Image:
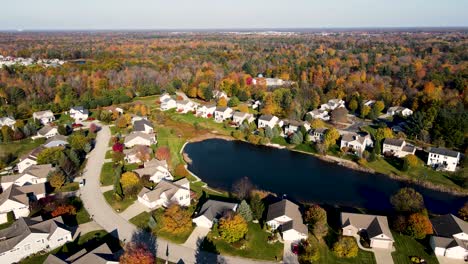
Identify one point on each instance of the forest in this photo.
(426, 72)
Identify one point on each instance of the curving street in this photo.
(115, 224)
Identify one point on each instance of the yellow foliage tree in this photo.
(129, 179)
(176, 220)
(232, 228)
(222, 102)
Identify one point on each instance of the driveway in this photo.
(445, 260)
(133, 210)
(383, 256)
(288, 256)
(197, 236)
(116, 225)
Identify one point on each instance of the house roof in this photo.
(297, 225)
(267, 118)
(354, 137)
(100, 255)
(212, 209)
(138, 134)
(408, 148)
(139, 125)
(167, 187)
(33, 153)
(39, 171)
(44, 113)
(20, 193)
(5, 120)
(448, 225)
(321, 130)
(318, 112)
(21, 228)
(80, 109)
(151, 168)
(45, 129)
(291, 210)
(56, 138)
(241, 114)
(221, 108)
(445, 152)
(374, 224)
(394, 142)
(134, 150)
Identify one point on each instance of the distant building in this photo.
(45, 117)
(443, 159)
(223, 113)
(79, 113)
(239, 117)
(46, 132)
(332, 104)
(292, 126)
(356, 142)
(399, 110)
(206, 111)
(29, 159)
(397, 147)
(167, 102)
(7, 121)
(319, 114)
(269, 121)
(185, 106)
(317, 135)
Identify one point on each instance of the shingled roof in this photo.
(448, 225)
(101, 254)
(374, 224)
(445, 152)
(212, 209)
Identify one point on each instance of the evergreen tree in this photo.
(245, 211)
(257, 207)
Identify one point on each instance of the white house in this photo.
(16, 199)
(143, 126)
(356, 142)
(450, 238)
(32, 175)
(47, 132)
(166, 193)
(102, 255)
(7, 121)
(45, 117)
(269, 120)
(206, 111)
(163, 97)
(29, 159)
(292, 126)
(211, 211)
(332, 104)
(443, 159)
(114, 109)
(397, 147)
(317, 135)
(56, 141)
(369, 103)
(167, 102)
(28, 236)
(239, 117)
(217, 94)
(285, 216)
(79, 113)
(223, 113)
(319, 114)
(185, 106)
(375, 226)
(274, 81)
(157, 170)
(403, 111)
(139, 138)
(133, 155)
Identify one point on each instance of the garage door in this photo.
(381, 244)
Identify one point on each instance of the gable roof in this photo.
(374, 224)
(354, 137)
(448, 225)
(80, 109)
(212, 209)
(167, 187)
(151, 167)
(394, 142)
(20, 193)
(139, 125)
(101, 254)
(139, 134)
(221, 108)
(45, 129)
(291, 210)
(267, 118)
(56, 138)
(39, 171)
(44, 113)
(241, 114)
(445, 152)
(33, 153)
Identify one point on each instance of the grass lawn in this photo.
(109, 154)
(407, 247)
(168, 137)
(204, 123)
(130, 167)
(306, 148)
(256, 245)
(327, 256)
(141, 220)
(107, 174)
(69, 187)
(118, 205)
(18, 148)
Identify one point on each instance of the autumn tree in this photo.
(118, 147)
(163, 153)
(317, 123)
(316, 216)
(330, 137)
(222, 102)
(339, 115)
(346, 247)
(418, 226)
(77, 141)
(176, 220)
(143, 153)
(130, 182)
(50, 155)
(232, 227)
(181, 171)
(56, 179)
(407, 200)
(65, 209)
(242, 188)
(463, 212)
(137, 253)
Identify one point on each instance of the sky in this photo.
(225, 14)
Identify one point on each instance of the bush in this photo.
(346, 247)
(232, 228)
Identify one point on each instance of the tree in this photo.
(163, 153)
(412, 160)
(245, 211)
(50, 155)
(297, 138)
(64, 209)
(121, 122)
(137, 253)
(77, 141)
(130, 182)
(233, 102)
(399, 224)
(339, 115)
(93, 128)
(176, 220)
(257, 206)
(330, 137)
(407, 200)
(242, 188)
(7, 133)
(62, 130)
(418, 226)
(118, 147)
(309, 253)
(143, 152)
(57, 179)
(243, 108)
(222, 102)
(365, 110)
(316, 123)
(232, 227)
(346, 247)
(353, 105)
(316, 216)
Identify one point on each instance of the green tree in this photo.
(257, 206)
(407, 200)
(365, 110)
(353, 105)
(233, 102)
(57, 179)
(232, 228)
(245, 211)
(50, 156)
(77, 141)
(330, 137)
(346, 247)
(297, 138)
(7, 134)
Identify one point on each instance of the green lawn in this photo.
(167, 138)
(109, 154)
(107, 174)
(68, 187)
(118, 205)
(141, 220)
(407, 247)
(204, 123)
(256, 245)
(18, 148)
(327, 256)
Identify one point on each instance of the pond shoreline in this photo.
(332, 159)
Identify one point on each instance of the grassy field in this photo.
(327, 256)
(407, 247)
(118, 205)
(68, 187)
(18, 148)
(107, 174)
(168, 138)
(256, 245)
(141, 220)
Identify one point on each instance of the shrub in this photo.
(346, 247)
(232, 228)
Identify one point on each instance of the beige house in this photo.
(16, 199)
(374, 226)
(32, 175)
(45, 117)
(206, 111)
(157, 170)
(29, 159)
(397, 147)
(211, 211)
(285, 216)
(139, 138)
(166, 193)
(223, 113)
(46, 132)
(239, 117)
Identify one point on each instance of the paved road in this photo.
(115, 224)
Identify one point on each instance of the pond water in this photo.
(303, 177)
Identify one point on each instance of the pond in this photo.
(303, 177)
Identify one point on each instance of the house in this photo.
(7, 121)
(217, 94)
(332, 104)
(211, 211)
(167, 102)
(32, 175)
(319, 114)
(133, 155)
(239, 117)
(102, 255)
(143, 126)
(114, 109)
(269, 120)
(254, 104)
(139, 138)
(45, 117)
(286, 217)
(317, 135)
(222, 113)
(450, 237)
(28, 236)
(292, 126)
(163, 97)
(166, 193)
(47, 132)
(29, 159)
(374, 226)
(157, 170)
(79, 113)
(369, 103)
(356, 142)
(56, 141)
(136, 118)
(443, 159)
(399, 110)
(274, 81)
(16, 199)
(206, 111)
(397, 147)
(185, 106)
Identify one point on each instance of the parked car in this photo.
(82, 182)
